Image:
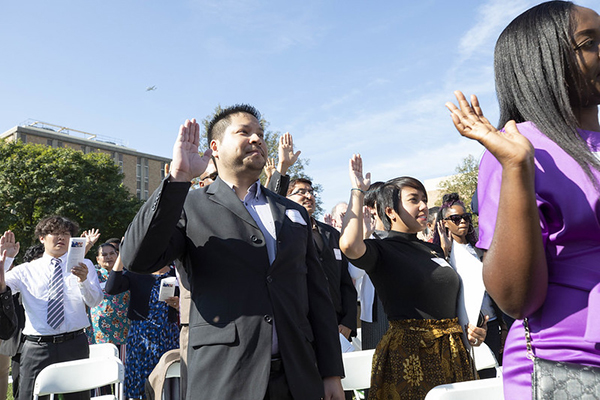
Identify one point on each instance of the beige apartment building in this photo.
(143, 172)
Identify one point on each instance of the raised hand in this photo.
(509, 147)
(368, 222)
(91, 237)
(445, 238)
(356, 174)
(9, 244)
(328, 219)
(269, 167)
(287, 157)
(187, 162)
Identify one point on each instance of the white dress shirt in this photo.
(32, 280)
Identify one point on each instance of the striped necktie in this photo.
(56, 311)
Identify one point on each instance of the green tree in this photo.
(272, 139)
(464, 182)
(37, 181)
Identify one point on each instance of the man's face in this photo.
(56, 244)
(303, 194)
(242, 147)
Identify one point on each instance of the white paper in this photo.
(76, 252)
(338, 254)
(295, 216)
(167, 288)
(470, 296)
(346, 345)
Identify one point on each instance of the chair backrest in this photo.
(174, 370)
(357, 366)
(103, 350)
(78, 375)
(488, 389)
(484, 358)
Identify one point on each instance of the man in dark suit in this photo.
(262, 324)
(334, 263)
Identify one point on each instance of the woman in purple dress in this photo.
(539, 187)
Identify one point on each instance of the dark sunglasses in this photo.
(456, 218)
(212, 177)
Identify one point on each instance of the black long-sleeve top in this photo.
(140, 288)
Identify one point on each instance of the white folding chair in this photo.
(357, 366)
(80, 375)
(488, 389)
(174, 370)
(103, 350)
(106, 350)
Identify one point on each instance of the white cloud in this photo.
(492, 17)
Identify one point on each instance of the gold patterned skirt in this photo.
(416, 355)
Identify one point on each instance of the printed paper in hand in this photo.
(76, 252)
(167, 288)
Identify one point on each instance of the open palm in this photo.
(508, 146)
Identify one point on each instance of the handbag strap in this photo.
(530, 354)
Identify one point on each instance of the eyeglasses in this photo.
(456, 218)
(303, 192)
(112, 253)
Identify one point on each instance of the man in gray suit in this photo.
(261, 322)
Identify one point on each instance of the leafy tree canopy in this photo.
(37, 181)
(272, 139)
(464, 182)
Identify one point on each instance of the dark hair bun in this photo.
(450, 198)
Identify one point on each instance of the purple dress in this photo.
(565, 328)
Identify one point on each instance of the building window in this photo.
(83, 148)
(162, 170)
(23, 138)
(59, 144)
(49, 142)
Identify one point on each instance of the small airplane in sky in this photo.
(150, 88)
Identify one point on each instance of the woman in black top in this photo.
(423, 347)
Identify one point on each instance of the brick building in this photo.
(143, 172)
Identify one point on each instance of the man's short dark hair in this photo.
(222, 119)
(293, 183)
(56, 224)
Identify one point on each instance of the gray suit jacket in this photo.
(237, 294)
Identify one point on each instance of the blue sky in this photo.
(342, 77)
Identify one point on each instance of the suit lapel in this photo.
(325, 235)
(222, 194)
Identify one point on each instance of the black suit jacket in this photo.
(335, 265)
(237, 294)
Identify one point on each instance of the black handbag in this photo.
(561, 380)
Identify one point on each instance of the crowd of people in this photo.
(269, 296)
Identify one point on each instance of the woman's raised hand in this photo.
(509, 147)
(356, 174)
(445, 238)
